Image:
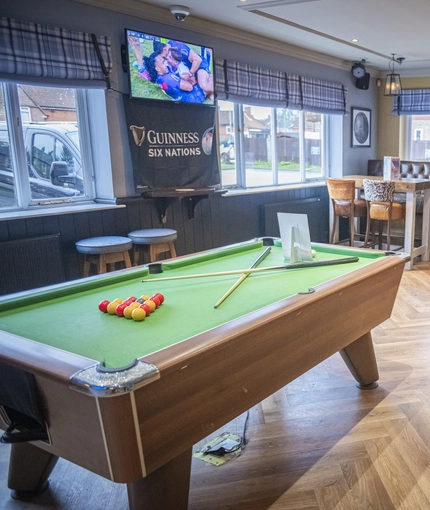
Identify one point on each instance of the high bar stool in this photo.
(104, 252)
(159, 240)
(381, 206)
(344, 203)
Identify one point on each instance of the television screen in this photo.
(171, 70)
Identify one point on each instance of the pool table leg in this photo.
(29, 470)
(361, 361)
(165, 489)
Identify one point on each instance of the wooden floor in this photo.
(319, 443)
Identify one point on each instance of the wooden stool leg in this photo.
(351, 230)
(87, 265)
(135, 254)
(102, 264)
(127, 259)
(172, 249)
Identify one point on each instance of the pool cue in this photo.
(296, 265)
(244, 276)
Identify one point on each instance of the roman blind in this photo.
(264, 87)
(412, 102)
(51, 55)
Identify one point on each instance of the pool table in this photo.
(128, 400)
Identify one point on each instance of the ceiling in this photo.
(382, 27)
(316, 30)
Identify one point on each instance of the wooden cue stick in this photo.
(244, 276)
(296, 265)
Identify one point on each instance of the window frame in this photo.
(95, 159)
(240, 163)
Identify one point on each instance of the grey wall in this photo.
(73, 15)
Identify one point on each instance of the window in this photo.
(43, 162)
(263, 146)
(417, 137)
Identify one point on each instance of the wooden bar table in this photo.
(411, 188)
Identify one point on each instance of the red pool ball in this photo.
(146, 308)
(156, 300)
(103, 305)
(160, 297)
(119, 310)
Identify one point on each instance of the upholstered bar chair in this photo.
(344, 203)
(379, 196)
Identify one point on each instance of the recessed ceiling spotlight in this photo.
(354, 40)
(242, 0)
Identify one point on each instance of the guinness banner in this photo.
(172, 145)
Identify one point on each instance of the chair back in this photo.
(341, 189)
(378, 191)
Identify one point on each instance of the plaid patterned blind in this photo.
(412, 102)
(33, 50)
(254, 85)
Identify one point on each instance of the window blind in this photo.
(253, 85)
(29, 50)
(412, 102)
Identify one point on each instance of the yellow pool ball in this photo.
(129, 310)
(151, 304)
(138, 314)
(144, 297)
(112, 305)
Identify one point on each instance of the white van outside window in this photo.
(43, 162)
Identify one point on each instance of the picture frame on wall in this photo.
(361, 127)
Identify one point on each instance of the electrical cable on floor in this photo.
(228, 445)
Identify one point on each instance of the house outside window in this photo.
(264, 146)
(417, 146)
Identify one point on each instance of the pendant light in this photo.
(393, 85)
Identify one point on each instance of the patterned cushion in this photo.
(378, 191)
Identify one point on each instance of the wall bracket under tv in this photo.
(165, 198)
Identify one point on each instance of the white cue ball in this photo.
(314, 253)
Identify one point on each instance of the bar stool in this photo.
(104, 252)
(381, 206)
(159, 240)
(344, 203)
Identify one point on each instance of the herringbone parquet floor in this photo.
(318, 444)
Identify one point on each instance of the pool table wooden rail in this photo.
(145, 438)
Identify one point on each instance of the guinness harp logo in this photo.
(138, 134)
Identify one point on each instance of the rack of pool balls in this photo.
(132, 308)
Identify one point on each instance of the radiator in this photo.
(29, 263)
(315, 208)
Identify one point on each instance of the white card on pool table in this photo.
(295, 237)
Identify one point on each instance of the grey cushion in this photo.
(104, 244)
(153, 236)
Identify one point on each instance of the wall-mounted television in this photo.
(166, 69)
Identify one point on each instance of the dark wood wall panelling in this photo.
(217, 221)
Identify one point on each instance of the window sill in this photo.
(272, 189)
(55, 210)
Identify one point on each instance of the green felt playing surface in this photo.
(68, 318)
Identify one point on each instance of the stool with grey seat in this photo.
(104, 252)
(159, 240)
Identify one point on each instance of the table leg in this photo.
(361, 360)
(165, 489)
(425, 234)
(410, 226)
(29, 470)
